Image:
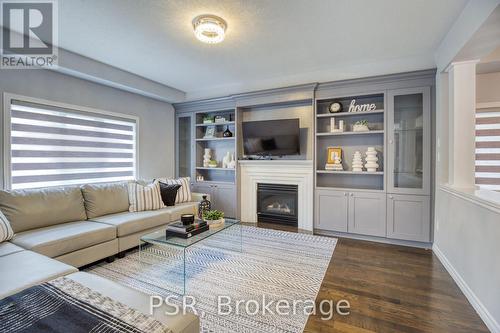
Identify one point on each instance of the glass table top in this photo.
(159, 237)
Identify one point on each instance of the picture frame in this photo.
(209, 132)
(332, 152)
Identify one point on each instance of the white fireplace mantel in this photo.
(291, 172)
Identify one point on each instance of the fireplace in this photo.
(277, 203)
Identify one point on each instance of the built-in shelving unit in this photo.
(218, 145)
(350, 141)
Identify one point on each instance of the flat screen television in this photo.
(271, 137)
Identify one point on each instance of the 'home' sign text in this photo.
(359, 108)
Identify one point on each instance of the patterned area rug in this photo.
(274, 265)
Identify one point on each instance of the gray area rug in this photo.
(274, 265)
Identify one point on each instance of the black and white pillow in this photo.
(6, 232)
(144, 197)
(184, 193)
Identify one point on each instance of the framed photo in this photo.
(332, 153)
(209, 132)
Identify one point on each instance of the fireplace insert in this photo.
(277, 203)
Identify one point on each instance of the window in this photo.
(51, 146)
(488, 148)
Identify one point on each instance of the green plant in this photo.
(208, 117)
(212, 215)
(362, 122)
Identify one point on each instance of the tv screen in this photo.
(271, 137)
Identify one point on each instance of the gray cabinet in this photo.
(332, 210)
(222, 196)
(408, 217)
(367, 213)
(354, 212)
(184, 146)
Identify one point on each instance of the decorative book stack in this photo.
(178, 229)
(357, 163)
(336, 166)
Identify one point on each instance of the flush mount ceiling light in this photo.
(209, 28)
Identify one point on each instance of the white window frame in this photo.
(7, 102)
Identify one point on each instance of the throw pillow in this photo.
(6, 232)
(169, 193)
(142, 197)
(184, 193)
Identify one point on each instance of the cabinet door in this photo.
(409, 136)
(367, 213)
(225, 199)
(184, 146)
(331, 210)
(408, 217)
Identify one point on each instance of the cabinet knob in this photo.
(391, 142)
(391, 197)
(352, 194)
(345, 194)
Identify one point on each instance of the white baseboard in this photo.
(476, 303)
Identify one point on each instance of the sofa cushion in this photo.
(104, 199)
(37, 208)
(64, 238)
(6, 232)
(25, 269)
(178, 323)
(9, 248)
(144, 197)
(128, 223)
(184, 193)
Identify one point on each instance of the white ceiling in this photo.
(268, 44)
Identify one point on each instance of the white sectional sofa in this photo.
(62, 228)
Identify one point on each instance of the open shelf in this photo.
(346, 114)
(347, 172)
(216, 124)
(350, 133)
(215, 139)
(217, 169)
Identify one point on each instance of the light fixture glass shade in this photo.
(209, 28)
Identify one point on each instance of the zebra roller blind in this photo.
(54, 146)
(488, 148)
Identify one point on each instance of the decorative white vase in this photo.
(207, 156)
(226, 160)
(371, 159)
(357, 162)
(232, 162)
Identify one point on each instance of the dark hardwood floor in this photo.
(391, 289)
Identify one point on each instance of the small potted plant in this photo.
(360, 126)
(208, 119)
(214, 218)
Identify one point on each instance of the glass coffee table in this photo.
(184, 244)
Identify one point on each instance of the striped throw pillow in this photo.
(184, 192)
(144, 197)
(6, 232)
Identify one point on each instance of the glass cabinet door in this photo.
(409, 141)
(184, 145)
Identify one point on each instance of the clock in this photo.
(335, 107)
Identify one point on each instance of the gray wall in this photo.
(303, 111)
(156, 119)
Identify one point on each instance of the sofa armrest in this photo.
(197, 197)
